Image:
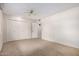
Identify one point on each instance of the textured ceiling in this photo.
(41, 9)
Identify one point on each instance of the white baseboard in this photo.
(66, 44)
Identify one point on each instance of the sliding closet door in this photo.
(1, 40)
(18, 30)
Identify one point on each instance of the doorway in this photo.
(36, 29)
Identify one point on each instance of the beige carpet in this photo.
(37, 47)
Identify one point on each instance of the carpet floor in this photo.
(37, 47)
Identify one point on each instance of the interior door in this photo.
(36, 30)
(1, 40)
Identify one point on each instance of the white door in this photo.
(1, 40)
(36, 30)
(17, 30)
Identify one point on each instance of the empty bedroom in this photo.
(39, 29)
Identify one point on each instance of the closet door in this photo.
(18, 30)
(1, 41)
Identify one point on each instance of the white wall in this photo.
(62, 27)
(18, 29)
(1, 35)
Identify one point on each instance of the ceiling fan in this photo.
(31, 14)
